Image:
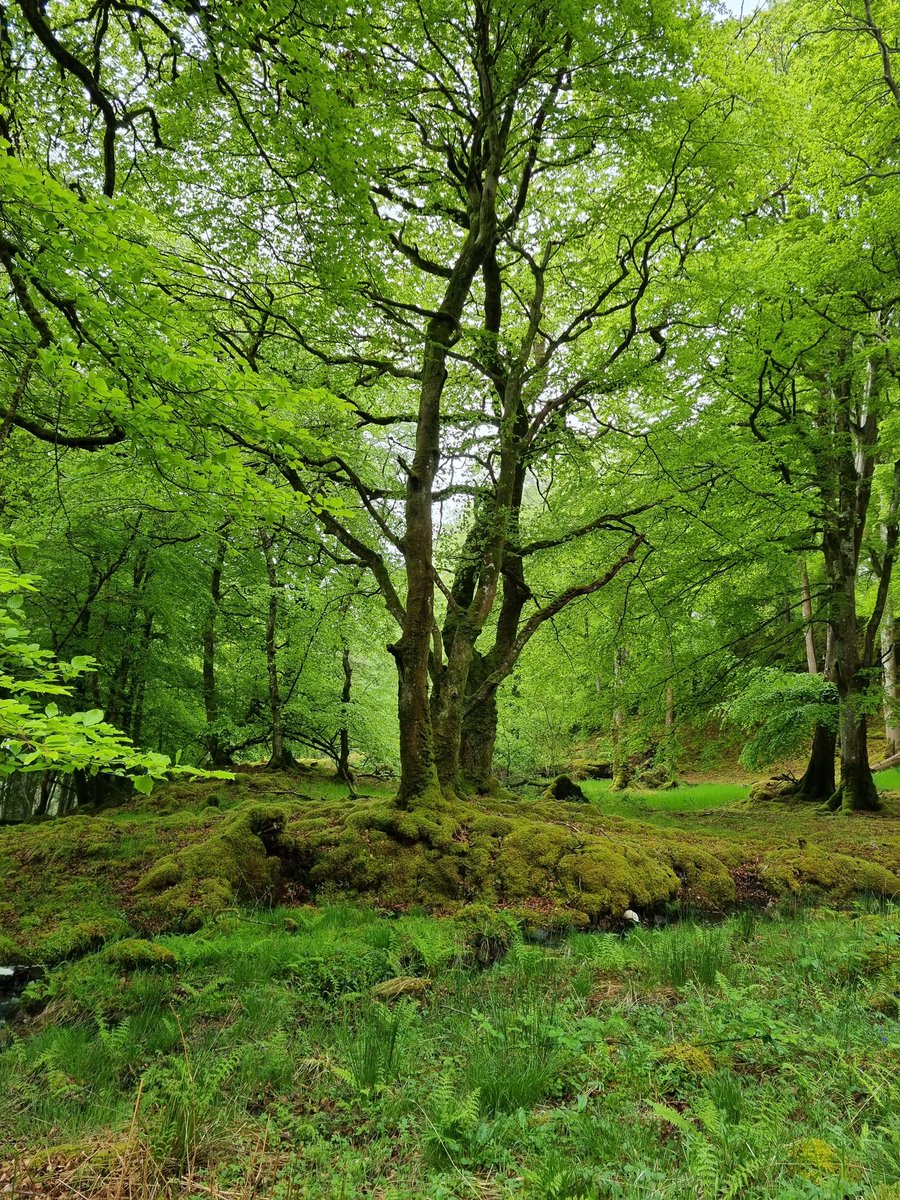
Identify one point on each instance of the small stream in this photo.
(13, 981)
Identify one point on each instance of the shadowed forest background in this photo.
(450, 493)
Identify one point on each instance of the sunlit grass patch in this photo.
(644, 804)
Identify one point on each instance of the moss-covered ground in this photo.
(175, 860)
(264, 988)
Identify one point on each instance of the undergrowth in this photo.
(751, 1058)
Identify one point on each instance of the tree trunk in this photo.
(215, 752)
(809, 633)
(857, 791)
(449, 710)
(281, 758)
(343, 765)
(818, 781)
(479, 733)
(419, 779)
(889, 666)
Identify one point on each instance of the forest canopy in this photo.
(453, 391)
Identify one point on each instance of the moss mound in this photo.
(239, 861)
(137, 954)
(173, 863)
(841, 875)
(564, 787)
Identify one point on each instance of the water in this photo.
(13, 981)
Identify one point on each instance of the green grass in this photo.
(698, 797)
(753, 1058)
(888, 780)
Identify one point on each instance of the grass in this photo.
(644, 805)
(752, 1058)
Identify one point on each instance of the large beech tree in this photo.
(537, 177)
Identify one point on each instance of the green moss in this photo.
(238, 861)
(838, 874)
(692, 1061)
(885, 1002)
(71, 840)
(136, 954)
(815, 1158)
(606, 878)
(564, 787)
(175, 864)
(76, 938)
(487, 932)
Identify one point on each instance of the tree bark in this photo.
(889, 667)
(215, 752)
(809, 633)
(818, 780)
(479, 733)
(281, 758)
(343, 764)
(847, 494)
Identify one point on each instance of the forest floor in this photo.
(295, 1050)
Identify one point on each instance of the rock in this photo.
(595, 770)
(13, 981)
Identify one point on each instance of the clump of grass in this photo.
(515, 1054)
(685, 954)
(372, 1047)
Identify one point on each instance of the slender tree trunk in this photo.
(215, 752)
(280, 758)
(809, 633)
(889, 666)
(133, 716)
(343, 766)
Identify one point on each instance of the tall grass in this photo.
(685, 954)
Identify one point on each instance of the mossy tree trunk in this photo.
(857, 791)
(846, 464)
(479, 734)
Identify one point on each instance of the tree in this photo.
(35, 734)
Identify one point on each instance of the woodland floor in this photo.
(343, 1049)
